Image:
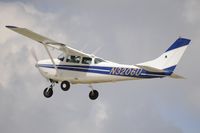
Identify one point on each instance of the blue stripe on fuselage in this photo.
(105, 70)
(92, 69)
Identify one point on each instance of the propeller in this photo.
(35, 57)
(34, 54)
(36, 60)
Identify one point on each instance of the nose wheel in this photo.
(48, 92)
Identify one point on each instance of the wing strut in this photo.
(54, 64)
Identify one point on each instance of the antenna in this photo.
(84, 47)
(97, 50)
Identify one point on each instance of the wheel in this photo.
(93, 94)
(48, 92)
(65, 85)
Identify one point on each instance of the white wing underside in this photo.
(46, 41)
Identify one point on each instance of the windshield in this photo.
(61, 57)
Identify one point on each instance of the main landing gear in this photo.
(65, 86)
(93, 95)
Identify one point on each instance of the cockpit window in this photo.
(98, 60)
(61, 57)
(87, 60)
(73, 59)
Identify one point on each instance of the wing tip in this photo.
(11, 27)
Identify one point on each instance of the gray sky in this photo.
(130, 32)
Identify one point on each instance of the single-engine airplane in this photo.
(76, 67)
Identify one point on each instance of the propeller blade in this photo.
(34, 54)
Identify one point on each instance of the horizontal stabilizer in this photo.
(176, 76)
(151, 69)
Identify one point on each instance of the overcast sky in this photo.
(129, 32)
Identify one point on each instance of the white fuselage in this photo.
(86, 74)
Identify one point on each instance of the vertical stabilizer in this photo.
(170, 58)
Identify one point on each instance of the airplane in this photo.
(76, 67)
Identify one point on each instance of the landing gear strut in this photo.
(93, 95)
(65, 85)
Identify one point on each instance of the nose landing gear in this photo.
(48, 92)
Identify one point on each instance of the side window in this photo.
(73, 59)
(87, 60)
(98, 60)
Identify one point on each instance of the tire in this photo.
(65, 85)
(48, 92)
(93, 95)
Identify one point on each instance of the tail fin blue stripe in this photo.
(170, 69)
(179, 43)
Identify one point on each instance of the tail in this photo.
(168, 61)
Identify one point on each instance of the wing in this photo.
(46, 41)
